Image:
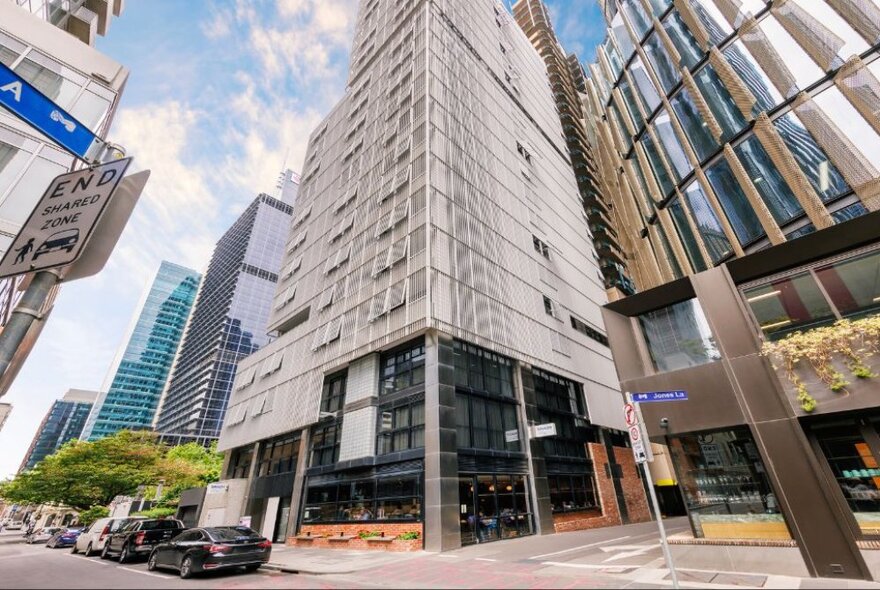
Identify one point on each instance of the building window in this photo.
(524, 152)
(679, 337)
(692, 249)
(401, 428)
(688, 47)
(666, 71)
(819, 170)
(279, 455)
(588, 331)
(736, 205)
(541, 247)
(720, 102)
(549, 306)
(656, 162)
(571, 493)
(560, 401)
(853, 285)
(708, 224)
(784, 306)
(484, 423)
(480, 370)
(775, 192)
(240, 463)
(392, 498)
(325, 443)
(333, 394)
(694, 125)
(403, 368)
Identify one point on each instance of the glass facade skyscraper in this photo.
(229, 320)
(64, 422)
(134, 393)
(724, 128)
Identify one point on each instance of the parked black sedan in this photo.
(205, 549)
(139, 537)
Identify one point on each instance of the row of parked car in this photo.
(166, 544)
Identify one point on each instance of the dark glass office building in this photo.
(229, 320)
(63, 423)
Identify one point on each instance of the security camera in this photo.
(664, 423)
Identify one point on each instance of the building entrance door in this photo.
(493, 507)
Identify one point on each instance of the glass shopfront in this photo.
(726, 487)
(851, 447)
(493, 507)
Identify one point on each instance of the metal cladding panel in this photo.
(418, 207)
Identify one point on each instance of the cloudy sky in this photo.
(222, 93)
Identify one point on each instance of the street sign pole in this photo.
(655, 504)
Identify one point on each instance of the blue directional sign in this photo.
(37, 109)
(659, 396)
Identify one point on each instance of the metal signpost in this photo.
(35, 108)
(638, 436)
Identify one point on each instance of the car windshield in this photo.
(160, 525)
(232, 533)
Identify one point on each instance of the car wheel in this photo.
(73, 550)
(105, 553)
(186, 568)
(89, 551)
(151, 563)
(123, 555)
(251, 568)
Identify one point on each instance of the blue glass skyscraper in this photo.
(63, 422)
(133, 395)
(229, 320)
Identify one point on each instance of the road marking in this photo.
(483, 559)
(152, 575)
(22, 555)
(446, 556)
(102, 562)
(628, 551)
(581, 547)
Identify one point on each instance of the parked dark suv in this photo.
(139, 538)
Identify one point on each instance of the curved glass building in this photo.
(725, 127)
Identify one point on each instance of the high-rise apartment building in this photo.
(35, 43)
(566, 79)
(141, 370)
(741, 140)
(63, 422)
(228, 321)
(437, 300)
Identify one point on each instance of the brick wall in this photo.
(318, 536)
(633, 488)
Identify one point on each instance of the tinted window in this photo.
(160, 525)
(233, 533)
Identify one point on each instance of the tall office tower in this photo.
(228, 322)
(84, 19)
(75, 76)
(437, 300)
(64, 422)
(5, 410)
(142, 368)
(742, 141)
(563, 73)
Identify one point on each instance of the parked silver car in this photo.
(93, 539)
(41, 535)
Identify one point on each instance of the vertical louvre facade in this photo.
(228, 322)
(138, 380)
(724, 128)
(438, 256)
(566, 81)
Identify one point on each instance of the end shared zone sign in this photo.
(60, 226)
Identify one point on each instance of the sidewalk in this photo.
(297, 560)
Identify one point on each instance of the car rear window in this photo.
(160, 525)
(232, 533)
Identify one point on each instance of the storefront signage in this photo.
(511, 436)
(217, 488)
(659, 396)
(544, 430)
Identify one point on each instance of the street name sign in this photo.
(38, 110)
(659, 396)
(61, 224)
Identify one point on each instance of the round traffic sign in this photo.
(629, 414)
(635, 433)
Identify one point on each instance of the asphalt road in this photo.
(36, 566)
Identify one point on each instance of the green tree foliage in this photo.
(86, 474)
(87, 517)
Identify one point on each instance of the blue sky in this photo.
(221, 94)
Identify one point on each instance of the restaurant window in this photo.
(388, 498)
(678, 336)
(279, 455)
(333, 394)
(572, 493)
(325, 443)
(493, 507)
(403, 368)
(726, 487)
(401, 427)
(789, 304)
(853, 285)
(483, 423)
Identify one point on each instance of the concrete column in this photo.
(540, 491)
(441, 509)
(296, 500)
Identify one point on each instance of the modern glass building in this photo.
(229, 320)
(725, 127)
(438, 297)
(133, 395)
(64, 422)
